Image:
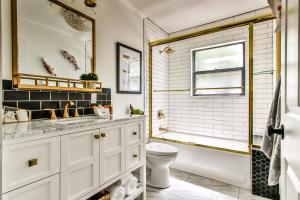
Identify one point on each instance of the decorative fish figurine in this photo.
(48, 67)
(71, 59)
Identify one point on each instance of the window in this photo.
(219, 70)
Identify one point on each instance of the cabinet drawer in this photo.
(46, 189)
(133, 133)
(27, 162)
(133, 156)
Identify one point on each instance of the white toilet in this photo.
(159, 157)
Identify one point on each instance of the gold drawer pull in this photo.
(134, 155)
(97, 136)
(32, 162)
(103, 135)
(134, 133)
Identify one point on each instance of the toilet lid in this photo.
(160, 149)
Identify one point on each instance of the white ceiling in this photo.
(175, 15)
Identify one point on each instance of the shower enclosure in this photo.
(213, 88)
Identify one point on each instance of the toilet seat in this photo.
(160, 149)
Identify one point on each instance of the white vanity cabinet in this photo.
(76, 163)
(79, 164)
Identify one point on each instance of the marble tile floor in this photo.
(186, 186)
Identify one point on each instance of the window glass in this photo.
(227, 80)
(219, 70)
(222, 57)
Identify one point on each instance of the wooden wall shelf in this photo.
(37, 82)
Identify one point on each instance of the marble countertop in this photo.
(48, 128)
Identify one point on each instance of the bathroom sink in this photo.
(72, 121)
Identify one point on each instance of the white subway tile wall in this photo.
(160, 75)
(217, 116)
(263, 84)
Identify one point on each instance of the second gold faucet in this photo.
(66, 106)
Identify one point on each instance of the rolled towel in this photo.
(125, 179)
(131, 185)
(117, 192)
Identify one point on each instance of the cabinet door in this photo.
(112, 152)
(79, 164)
(46, 189)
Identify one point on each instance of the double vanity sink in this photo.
(70, 159)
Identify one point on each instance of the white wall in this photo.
(115, 21)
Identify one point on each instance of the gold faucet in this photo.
(66, 106)
(53, 115)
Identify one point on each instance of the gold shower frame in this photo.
(247, 22)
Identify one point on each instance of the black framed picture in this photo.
(129, 69)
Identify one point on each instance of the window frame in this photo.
(194, 73)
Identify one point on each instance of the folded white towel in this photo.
(117, 192)
(125, 179)
(131, 185)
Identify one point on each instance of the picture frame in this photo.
(129, 69)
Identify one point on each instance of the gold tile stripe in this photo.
(251, 52)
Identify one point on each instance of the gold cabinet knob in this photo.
(97, 136)
(103, 135)
(134, 133)
(32, 162)
(134, 155)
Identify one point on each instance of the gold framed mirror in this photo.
(52, 46)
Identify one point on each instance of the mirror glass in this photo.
(53, 40)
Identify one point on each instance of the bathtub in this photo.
(231, 168)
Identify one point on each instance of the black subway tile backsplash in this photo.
(50, 105)
(87, 96)
(7, 84)
(63, 103)
(75, 96)
(59, 113)
(89, 111)
(101, 97)
(39, 95)
(11, 95)
(40, 114)
(59, 96)
(29, 105)
(10, 104)
(105, 103)
(39, 100)
(83, 103)
(106, 90)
